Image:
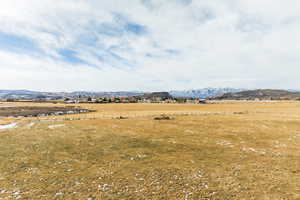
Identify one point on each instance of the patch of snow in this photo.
(56, 126)
(225, 143)
(8, 126)
(7, 106)
(59, 194)
(261, 152)
(104, 187)
(30, 125)
(2, 191)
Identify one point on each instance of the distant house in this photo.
(170, 101)
(196, 101)
(144, 100)
(192, 101)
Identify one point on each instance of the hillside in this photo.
(266, 94)
(214, 93)
(28, 95)
(164, 95)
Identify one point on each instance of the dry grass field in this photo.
(229, 150)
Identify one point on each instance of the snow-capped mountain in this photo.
(204, 92)
(199, 93)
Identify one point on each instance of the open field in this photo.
(229, 150)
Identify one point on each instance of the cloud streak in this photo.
(148, 44)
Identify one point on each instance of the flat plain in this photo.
(224, 150)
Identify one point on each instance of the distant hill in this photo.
(164, 95)
(22, 94)
(199, 93)
(28, 95)
(266, 94)
(214, 93)
(107, 94)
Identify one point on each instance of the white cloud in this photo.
(187, 44)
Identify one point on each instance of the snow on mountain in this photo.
(199, 93)
(204, 92)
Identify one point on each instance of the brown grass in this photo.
(220, 151)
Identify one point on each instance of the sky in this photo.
(149, 45)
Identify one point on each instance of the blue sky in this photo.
(151, 45)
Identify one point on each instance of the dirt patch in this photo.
(121, 117)
(163, 117)
(32, 111)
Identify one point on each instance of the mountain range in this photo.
(262, 94)
(204, 92)
(27, 94)
(216, 93)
